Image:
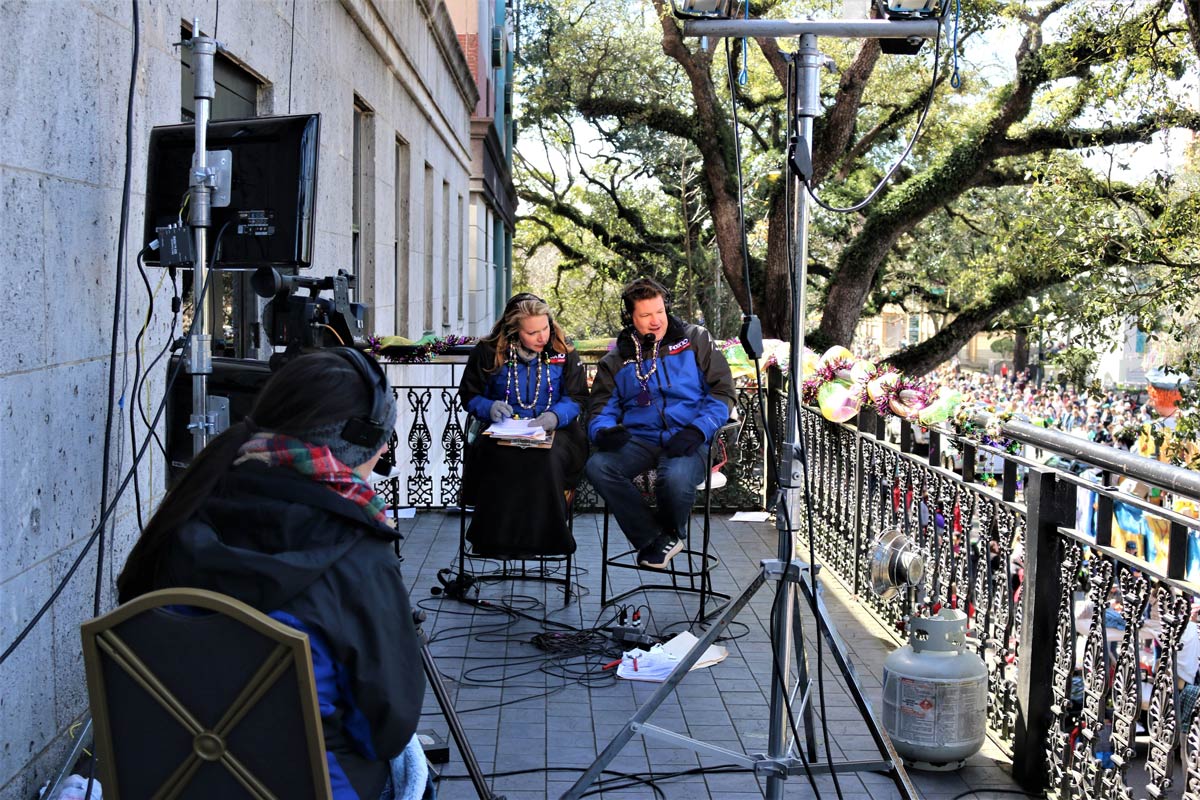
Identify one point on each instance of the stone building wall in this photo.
(62, 163)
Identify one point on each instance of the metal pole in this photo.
(199, 363)
(837, 28)
(791, 471)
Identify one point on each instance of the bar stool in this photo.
(696, 577)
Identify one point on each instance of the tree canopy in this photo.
(631, 165)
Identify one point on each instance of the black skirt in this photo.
(519, 495)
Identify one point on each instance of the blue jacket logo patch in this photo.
(680, 345)
(557, 358)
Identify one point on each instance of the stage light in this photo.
(702, 9)
(909, 9)
(895, 564)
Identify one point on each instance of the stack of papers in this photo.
(516, 429)
(659, 661)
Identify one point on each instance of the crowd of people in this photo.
(1113, 417)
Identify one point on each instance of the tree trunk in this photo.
(773, 294)
(1021, 351)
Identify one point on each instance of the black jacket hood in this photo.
(264, 537)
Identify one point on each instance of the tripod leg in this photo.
(456, 728)
(837, 648)
(805, 681)
(662, 692)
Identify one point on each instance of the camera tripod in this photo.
(456, 728)
(777, 766)
(792, 576)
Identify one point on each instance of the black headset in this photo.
(517, 298)
(510, 330)
(638, 285)
(371, 430)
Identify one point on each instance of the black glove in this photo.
(614, 438)
(685, 442)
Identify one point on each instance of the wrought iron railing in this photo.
(427, 446)
(1087, 688)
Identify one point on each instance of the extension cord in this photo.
(631, 637)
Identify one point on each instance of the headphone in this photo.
(517, 298)
(370, 430)
(641, 286)
(453, 585)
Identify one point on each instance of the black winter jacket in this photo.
(289, 547)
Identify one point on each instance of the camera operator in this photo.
(277, 513)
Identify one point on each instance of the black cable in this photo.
(777, 677)
(107, 511)
(737, 156)
(137, 373)
(122, 228)
(611, 784)
(176, 305)
(937, 53)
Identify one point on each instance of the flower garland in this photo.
(419, 352)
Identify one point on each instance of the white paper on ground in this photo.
(402, 513)
(681, 643)
(750, 516)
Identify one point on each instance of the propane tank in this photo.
(935, 694)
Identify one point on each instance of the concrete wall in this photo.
(62, 161)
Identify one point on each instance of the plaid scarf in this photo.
(317, 463)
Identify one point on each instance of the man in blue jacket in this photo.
(658, 398)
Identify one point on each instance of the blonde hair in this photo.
(506, 331)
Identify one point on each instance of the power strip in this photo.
(626, 636)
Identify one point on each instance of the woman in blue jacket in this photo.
(524, 369)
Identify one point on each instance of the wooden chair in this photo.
(696, 577)
(197, 695)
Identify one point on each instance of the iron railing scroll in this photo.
(1028, 552)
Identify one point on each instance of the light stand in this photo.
(457, 732)
(201, 183)
(788, 571)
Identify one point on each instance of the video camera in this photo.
(302, 322)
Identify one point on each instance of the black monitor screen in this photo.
(272, 198)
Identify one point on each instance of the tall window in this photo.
(235, 323)
(362, 204)
(914, 328)
(447, 286)
(400, 243)
(427, 211)
(463, 282)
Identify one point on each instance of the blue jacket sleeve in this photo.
(721, 395)
(573, 394)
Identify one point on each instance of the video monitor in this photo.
(272, 195)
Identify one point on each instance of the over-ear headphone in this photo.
(510, 328)
(519, 297)
(646, 287)
(371, 430)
